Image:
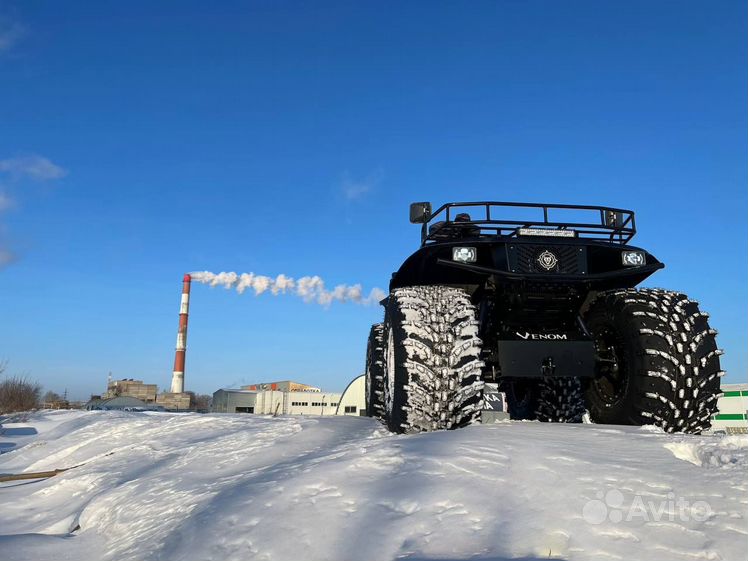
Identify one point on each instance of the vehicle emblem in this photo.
(547, 260)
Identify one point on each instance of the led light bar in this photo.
(547, 233)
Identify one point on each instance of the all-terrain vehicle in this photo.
(543, 310)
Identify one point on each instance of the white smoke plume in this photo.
(309, 289)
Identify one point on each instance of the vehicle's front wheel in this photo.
(658, 361)
(432, 376)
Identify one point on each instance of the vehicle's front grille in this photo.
(548, 259)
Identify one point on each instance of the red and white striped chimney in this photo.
(177, 379)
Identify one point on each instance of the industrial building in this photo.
(176, 401)
(129, 387)
(148, 394)
(285, 398)
(732, 415)
(120, 403)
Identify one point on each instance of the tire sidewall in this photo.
(395, 373)
(369, 376)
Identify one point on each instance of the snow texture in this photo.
(237, 487)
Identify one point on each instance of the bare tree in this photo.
(18, 393)
(203, 402)
(51, 397)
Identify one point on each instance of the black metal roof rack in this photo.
(615, 224)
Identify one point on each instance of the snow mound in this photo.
(726, 451)
(162, 486)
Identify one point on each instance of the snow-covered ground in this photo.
(225, 487)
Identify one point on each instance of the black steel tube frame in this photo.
(620, 233)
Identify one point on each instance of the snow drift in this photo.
(187, 486)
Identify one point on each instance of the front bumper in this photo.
(525, 359)
(643, 270)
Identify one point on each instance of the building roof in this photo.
(120, 402)
(734, 387)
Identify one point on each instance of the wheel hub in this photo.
(610, 382)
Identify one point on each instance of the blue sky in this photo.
(139, 142)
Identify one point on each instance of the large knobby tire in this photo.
(375, 371)
(658, 361)
(550, 400)
(432, 366)
(560, 400)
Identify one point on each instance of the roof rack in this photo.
(615, 224)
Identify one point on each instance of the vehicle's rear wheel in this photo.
(521, 398)
(551, 400)
(375, 371)
(432, 376)
(658, 361)
(560, 400)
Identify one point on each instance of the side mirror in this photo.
(614, 219)
(420, 213)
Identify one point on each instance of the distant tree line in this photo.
(203, 402)
(18, 393)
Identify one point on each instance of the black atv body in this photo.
(528, 282)
(533, 284)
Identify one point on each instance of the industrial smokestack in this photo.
(177, 379)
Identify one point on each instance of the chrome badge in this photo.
(547, 260)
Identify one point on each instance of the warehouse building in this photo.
(231, 400)
(353, 400)
(275, 402)
(732, 415)
(284, 386)
(287, 398)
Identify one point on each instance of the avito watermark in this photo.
(610, 507)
